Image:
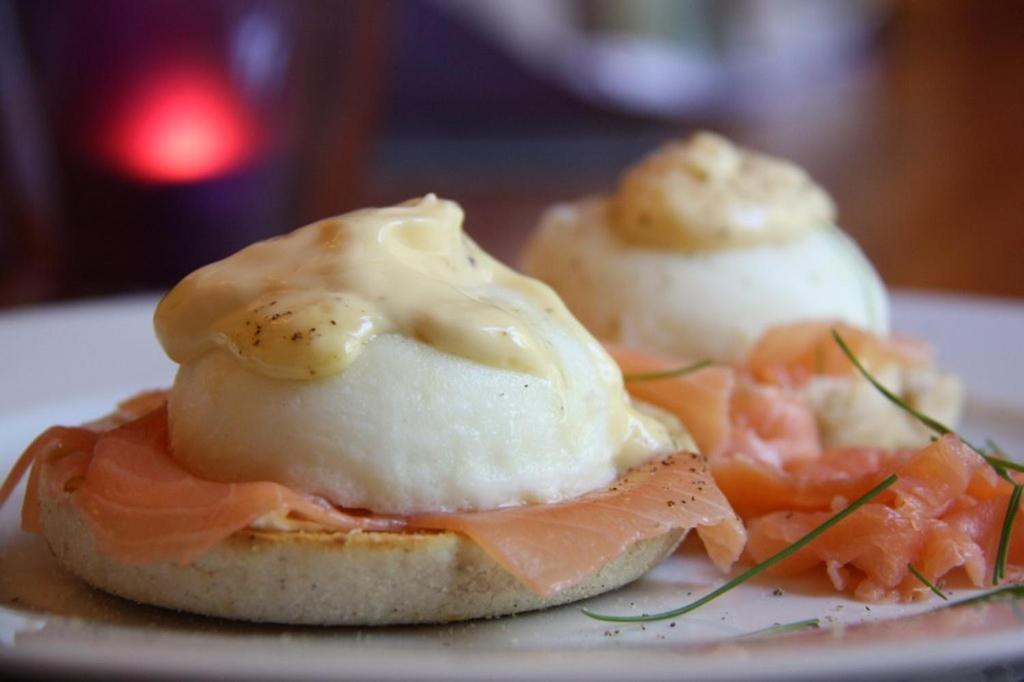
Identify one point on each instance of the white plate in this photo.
(67, 364)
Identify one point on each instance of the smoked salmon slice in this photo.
(790, 354)
(771, 425)
(143, 507)
(700, 399)
(755, 488)
(53, 445)
(551, 547)
(725, 411)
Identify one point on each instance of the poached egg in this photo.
(702, 247)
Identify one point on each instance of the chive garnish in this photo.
(1002, 594)
(999, 571)
(1001, 460)
(999, 464)
(666, 373)
(927, 583)
(751, 572)
(782, 628)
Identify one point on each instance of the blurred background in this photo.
(142, 138)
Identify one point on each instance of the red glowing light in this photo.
(179, 126)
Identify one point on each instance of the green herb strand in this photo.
(783, 628)
(666, 373)
(927, 583)
(994, 447)
(1001, 460)
(999, 571)
(751, 572)
(1001, 594)
(998, 464)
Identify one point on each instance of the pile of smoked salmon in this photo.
(764, 450)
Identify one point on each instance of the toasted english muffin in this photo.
(328, 578)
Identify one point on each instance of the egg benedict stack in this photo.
(701, 248)
(373, 422)
(704, 248)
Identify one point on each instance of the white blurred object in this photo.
(664, 58)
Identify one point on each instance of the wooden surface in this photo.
(938, 200)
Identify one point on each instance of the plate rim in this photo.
(634, 660)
